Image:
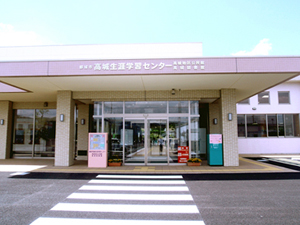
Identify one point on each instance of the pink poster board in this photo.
(215, 138)
(97, 154)
(183, 154)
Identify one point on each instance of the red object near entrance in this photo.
(183, 154)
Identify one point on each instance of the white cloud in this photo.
(11, 37)
(262, 48)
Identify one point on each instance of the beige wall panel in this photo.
(146, 95)
(33, 105)
(83, 130)
(229, 128)
(5, 129)
(64, 139)
(215, 112)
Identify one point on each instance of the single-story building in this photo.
(151, 99)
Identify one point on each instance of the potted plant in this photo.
(194, 162)
(114, 161)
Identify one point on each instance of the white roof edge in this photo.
(98, 52)
(295, 79)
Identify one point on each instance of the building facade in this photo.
(150, 101)
(268, 123)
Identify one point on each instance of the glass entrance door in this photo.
(145, 141)
(134, 141)
(157, 144)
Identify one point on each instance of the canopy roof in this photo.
(39, 80)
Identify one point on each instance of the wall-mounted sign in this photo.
(183, 154)
(215, 138)
(146, 65)
(97, 153)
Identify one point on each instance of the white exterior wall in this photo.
(274, 107)
(272, 145)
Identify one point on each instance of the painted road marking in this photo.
(126, 208)
(133, 188)
(137, 181)
(140, 197)
(92, 198)
(141, 176)
(80, 221)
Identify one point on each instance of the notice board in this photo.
(183, 154)
(97, 153)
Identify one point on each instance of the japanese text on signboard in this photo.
(129, 66)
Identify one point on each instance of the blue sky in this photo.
(225, 27)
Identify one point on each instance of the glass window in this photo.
(113, 107)
(178, 136)
(245, 101)
(287, 125)
(178, 107)
(289, 129)
(146, 107)
(114, 128)
(241, 125)
(296, 125)
(97, 125)
(280, 120)
(264, 98)
(256, 126)
(45, 125)
(23, 131)
(283, 97)
(34, 137)
(272, 125)
(198, 138)
(194, 107)
(97, 108)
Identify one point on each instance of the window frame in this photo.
(261, 96)
(289, 98)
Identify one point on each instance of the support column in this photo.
(229, 128)
(5, 129)
(83, 130)
(65, 137)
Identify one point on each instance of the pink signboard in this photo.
(215, 138)
(183, 154)
(97, 154)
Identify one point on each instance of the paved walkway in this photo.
(80, 166)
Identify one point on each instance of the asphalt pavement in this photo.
(270, 196)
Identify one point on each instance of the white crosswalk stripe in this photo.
(142, 176)
(137, 181)
(128, 199)
(142, 197)
(80, 221)
(134, 188)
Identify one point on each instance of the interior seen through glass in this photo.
(153, 139)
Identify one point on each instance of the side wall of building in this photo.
(272, 145)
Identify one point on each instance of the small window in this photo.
(241, 125)
(245, 101)
(113, 107)
(178, 107)
(283, 97)
(256, 125)
(264, 98)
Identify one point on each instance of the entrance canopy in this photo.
(35, 74)
(40, 80)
